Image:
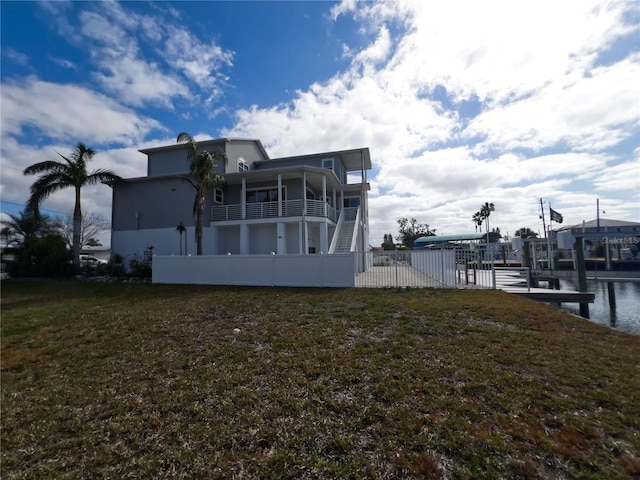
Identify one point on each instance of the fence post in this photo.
(493, 267)
(396, 263)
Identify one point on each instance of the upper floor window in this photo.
(311, 195)
(351, 202)
(218, 195)
(243, 166)
(264, 195)
(327, 163)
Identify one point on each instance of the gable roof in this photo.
(353, 158)
(206, 143)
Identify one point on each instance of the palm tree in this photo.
(485, 211)
(526, 232)
(182, 229)
(203, 175)
(25, 228)
(6, 233)
(477, 220)
(70, 173)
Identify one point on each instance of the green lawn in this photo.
(158, 381)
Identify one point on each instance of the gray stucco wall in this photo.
(167, 163)
(262, 239)
(155, 203)
(228, 240)
(174, 161)
(248, 150)
(292, 238)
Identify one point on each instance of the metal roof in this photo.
(206, 143)
(424, 241)
(604, 222)
(354, 159)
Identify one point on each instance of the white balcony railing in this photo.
(290, 208)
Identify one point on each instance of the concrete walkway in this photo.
(396, 275)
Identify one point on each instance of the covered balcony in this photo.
(286, 208)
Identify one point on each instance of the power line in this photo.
(24, 205)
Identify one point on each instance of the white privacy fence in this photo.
(257, 270)
(434, 268)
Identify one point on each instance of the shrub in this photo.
(44, 257)
(138, 268)
(115, 267)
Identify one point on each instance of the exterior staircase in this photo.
(344, 237)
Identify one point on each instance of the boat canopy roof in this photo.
(462, 237)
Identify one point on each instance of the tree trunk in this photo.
(199, 212)
(77, 228)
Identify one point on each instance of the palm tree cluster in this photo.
(483, 215)
(21, 230)
(37, 248)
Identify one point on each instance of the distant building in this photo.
(463, 239)
(603, 226)
(622, 236)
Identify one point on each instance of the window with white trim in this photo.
(327, 163)
(260, 195)
(351, 202)
(218, 195)
(243, 166)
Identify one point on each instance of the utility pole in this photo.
(544, 225)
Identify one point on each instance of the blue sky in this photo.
(459, 102)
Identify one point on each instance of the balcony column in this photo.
(279, 196)
(335, 206)
(301, 241)
(243, 199)
(324, 196)
(324, 236)
(304, 228)
(244, 239)
(304, 193)
(281, 241)
(214, 240)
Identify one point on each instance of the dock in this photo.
(552, 296)
(516, 281)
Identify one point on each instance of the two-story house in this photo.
(308, 204)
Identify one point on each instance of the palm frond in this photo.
(46, 166)
(102, 176)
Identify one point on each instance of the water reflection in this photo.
(616, 304)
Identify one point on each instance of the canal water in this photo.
(624, 316)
